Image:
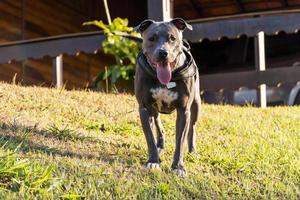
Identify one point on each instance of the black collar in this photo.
(189, 68)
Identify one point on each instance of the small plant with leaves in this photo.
(123, 49)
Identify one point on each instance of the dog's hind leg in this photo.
(195, 113)
(160, 133)
(148, 124)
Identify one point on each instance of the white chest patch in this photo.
(163, 95)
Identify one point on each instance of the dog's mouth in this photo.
(163, 71)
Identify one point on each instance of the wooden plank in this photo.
(51, 46)
(55, 24)
(196, 7)
(10, 20)
(262, 5)
(8, 71)
(240, 5)
(284, 3)
(39, 72)
(42, 18)
(250, 79)
(246, 15)
(233, 28)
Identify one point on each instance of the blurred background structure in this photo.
(246, 50)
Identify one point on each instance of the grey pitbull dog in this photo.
(167, 79)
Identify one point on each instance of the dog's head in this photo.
(162, 44)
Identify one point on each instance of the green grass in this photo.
(57, 144)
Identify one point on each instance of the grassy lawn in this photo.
(85, 145)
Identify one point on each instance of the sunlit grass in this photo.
(21, 177)
(78, 144)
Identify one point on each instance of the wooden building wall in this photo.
(28, 19)
(197, 9)
(10, 30)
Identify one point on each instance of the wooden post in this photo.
(260, 65)
(160, 10)
(58, 71)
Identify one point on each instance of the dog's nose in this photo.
(162, 54)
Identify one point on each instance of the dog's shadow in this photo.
(14, 136)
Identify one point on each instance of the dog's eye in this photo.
(172, 38)
(151, 39)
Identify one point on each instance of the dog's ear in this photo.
(181, 24)
(143, 25)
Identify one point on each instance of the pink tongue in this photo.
(164, 73)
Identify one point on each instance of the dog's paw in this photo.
(192, 150)
(180, 172)
(150, 165)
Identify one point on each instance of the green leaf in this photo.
(115, 74)
(99, 24)
(123, 49)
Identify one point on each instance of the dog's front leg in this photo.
(147, 121)
(182, 127)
